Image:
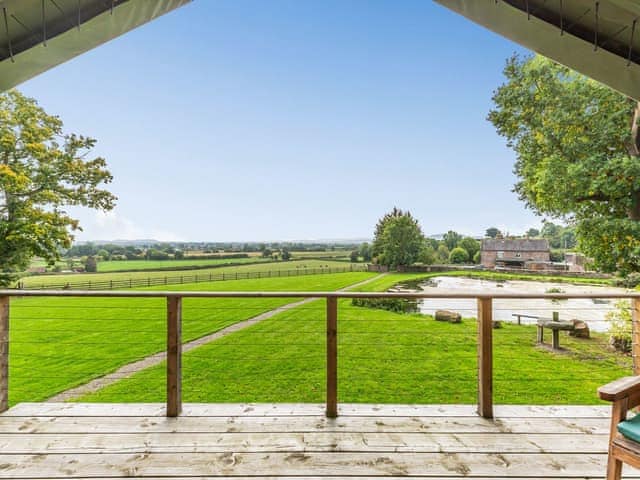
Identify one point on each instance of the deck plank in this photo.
(48, 424)
(42, 444)
(298, 463)
(284, 409)
(260, 441)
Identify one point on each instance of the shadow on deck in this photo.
(39, 440)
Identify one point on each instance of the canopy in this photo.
(600, 39)
(36, 35)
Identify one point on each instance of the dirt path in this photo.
(152, 360)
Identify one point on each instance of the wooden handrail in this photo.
(298, 294)
(174, 327)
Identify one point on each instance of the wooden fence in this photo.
(180, 279)
(174, 328)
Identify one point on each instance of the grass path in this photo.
(130, 369)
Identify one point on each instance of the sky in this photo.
(241, 120)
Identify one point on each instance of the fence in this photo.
(180, 279)
(354, 352)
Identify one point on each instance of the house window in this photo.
(518, 255)
(500, 254)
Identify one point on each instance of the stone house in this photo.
(513, 253)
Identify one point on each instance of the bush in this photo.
(556, 255)
(458, 255)
(476, 257)
(397, 305)
(630, 281)
(620, 326)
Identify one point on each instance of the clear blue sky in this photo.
(283, 120)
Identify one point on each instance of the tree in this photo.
(365, 252)
(492, 232)
(380, 227)
(442, 254)
(578, 155)
(178, 254)
(42, 171)
(533, 233)
(451, 239)
(471, 245)
(355, 255)
(427, 254)
(458, 255)
(401, 241)
(286, 255)
(90, 265)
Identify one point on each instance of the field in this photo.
(44, 280)
(129, 265)
(58, 343)
(383, 357)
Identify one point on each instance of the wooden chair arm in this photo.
(620, 388)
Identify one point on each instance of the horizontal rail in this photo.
(258, 294)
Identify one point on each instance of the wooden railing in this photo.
(174, 328)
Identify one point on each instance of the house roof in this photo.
(515, 245)
(36, 35)
(599, 38)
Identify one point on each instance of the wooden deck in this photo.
(49, 440)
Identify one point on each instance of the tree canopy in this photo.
(42, 171)
(577, 155)
(398, 239)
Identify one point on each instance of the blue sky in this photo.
(248, 120)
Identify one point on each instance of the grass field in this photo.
(383, 357)
(128, 265)
(58, 343)
(38, 280)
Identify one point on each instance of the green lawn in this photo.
(38, 280)
(383, 357)
(58, 343)
(128, 265)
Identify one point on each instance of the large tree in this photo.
(577, 155)
(42, 172)
(398, 239)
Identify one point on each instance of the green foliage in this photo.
(630, 281)
(365, 252)
(398, 305)
(178, 255)
(90, 265)
(471, 245)
(400, 241)
(576, 157)
(378, 244)
(155, 254)
(355, 255)
(620, 326)
(442, 254)
(533, 233)
(492, 232)
(103, 254)
(451, 239)
(476, 257)
(556, 255)
(458, 255)
(42, 171)
(286, 255)
(427, 254)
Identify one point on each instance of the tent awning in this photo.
(600, 39)
(36, 35)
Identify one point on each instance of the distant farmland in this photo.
(47, 280)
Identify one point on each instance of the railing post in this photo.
(485, 357)
(332, 357)
(635, 334)
(4, 353)
(174, 356)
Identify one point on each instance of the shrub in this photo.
(630, 281)
(397, 305)
(458, 255)
(476, 257)
(620, 326)
(91, 265)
